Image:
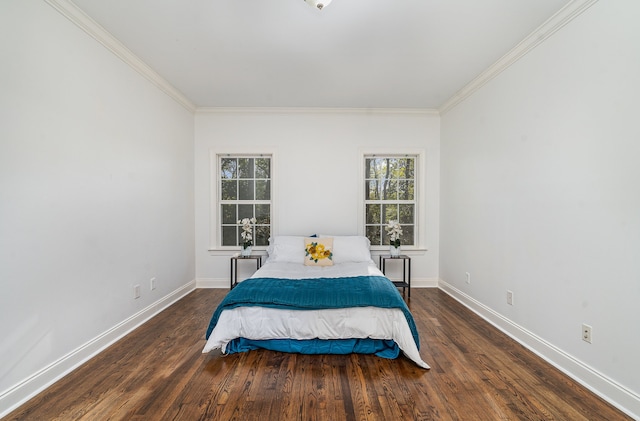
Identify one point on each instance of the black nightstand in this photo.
(233, 280)
(406, 270)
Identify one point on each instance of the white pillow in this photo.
(350, 248)
(286, 248)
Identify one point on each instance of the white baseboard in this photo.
(12, 398)
(424, 283)
(212, 283)
(614, 393)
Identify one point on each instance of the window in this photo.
(244, 192)
(390, 194)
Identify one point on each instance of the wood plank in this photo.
(158, 372)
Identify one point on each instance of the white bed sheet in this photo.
(288, 270)
(259, 323)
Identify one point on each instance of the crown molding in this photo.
(72, 12)
(316, 110)
(565, 15)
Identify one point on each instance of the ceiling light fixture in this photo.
(318, 4)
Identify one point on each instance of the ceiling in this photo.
(352, 54)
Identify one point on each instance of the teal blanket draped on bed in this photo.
(315, 294)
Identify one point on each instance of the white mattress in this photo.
(260, 323)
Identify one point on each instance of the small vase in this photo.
(394, 251)
(246, 251)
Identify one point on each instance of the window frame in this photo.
(215, 235)
(419, 194)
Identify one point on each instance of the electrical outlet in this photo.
(136, 291)
(509, 297)
(468, 275)
(152, 283)
(586, 333)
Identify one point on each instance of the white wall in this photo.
(540, 195)
(317, 174)
(96, 192)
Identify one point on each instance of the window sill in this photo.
(261, 251)
(408, 251)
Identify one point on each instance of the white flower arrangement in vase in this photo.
(394, 231)
(246, 234)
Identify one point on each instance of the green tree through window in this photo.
(245, 192)
(390, 194)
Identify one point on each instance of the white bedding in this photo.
(259, 323)
(288, 270)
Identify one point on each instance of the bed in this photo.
(316, 295)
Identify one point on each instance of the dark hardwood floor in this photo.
(159, 373)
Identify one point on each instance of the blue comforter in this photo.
(314, 294)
